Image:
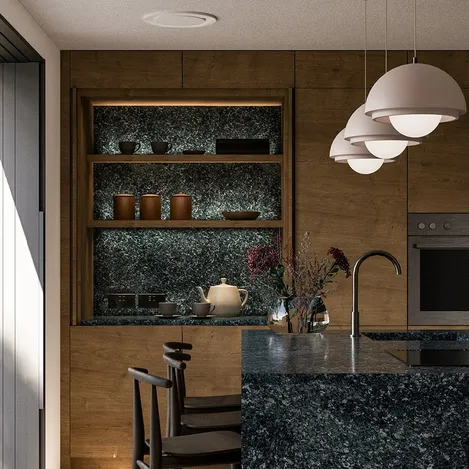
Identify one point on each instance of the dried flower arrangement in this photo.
(303, 276)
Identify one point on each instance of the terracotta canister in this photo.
(124, 207)
(181, 207)
(150, 207)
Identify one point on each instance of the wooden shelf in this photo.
(184, 158)
(165, 224)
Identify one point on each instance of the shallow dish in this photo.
(193, 152)
(194, 316)
(167, 317)
(241, 215)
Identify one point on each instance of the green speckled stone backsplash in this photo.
(185, 128)
(174, 261)
(213, 187)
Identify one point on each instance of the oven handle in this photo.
(429, 247)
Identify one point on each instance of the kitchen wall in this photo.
(23, 22)
(335, 205)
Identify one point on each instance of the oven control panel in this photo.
(438, 224)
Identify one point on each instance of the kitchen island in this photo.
(330, 401)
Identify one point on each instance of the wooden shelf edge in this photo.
(184, 158)
(168, 224)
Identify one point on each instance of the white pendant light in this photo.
(358, 158)
(365, 166)
(415, 97)
(382, 140)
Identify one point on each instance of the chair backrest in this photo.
(176, 346)
(156, 455)
(176, 366)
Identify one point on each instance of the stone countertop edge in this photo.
(180, 321)
(267, 353)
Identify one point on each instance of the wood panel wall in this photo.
(338, 207)
(439, 169)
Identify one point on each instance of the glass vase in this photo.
(278, 316)
(308, 315)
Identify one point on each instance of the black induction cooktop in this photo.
(433, 357)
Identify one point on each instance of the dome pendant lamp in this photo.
(358, 158)
(381, 139)
(415, 97)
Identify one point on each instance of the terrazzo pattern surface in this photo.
(174, 262)
(419, 335)
(184, 127)
(379, 421)
(329, 401)
(213, 187)
(181, 321)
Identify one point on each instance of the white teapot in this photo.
(225, 298)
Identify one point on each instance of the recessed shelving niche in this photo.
(172, 256)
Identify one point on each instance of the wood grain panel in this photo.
(354, 212)
(101, 390)
(238, 69)
(126, 69)
(454, 62)
(65, 272)
(215, 367)
(438, 170)
(342, 69)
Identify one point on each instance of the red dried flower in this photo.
(340, 259)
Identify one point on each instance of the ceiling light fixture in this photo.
(415, 97)
(358, 158)
(179, 19)
(382, 140)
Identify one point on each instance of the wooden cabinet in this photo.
(215, 367)
(125, 69)
(342, 69)
(238, 69)
(438, 169)
(350, 211)
(101, 389)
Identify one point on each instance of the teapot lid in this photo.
(223, 284)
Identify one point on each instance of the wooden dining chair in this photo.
(179, 422)
(202, 449)
(202, 404)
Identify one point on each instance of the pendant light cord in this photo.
(415, 28)
(386, 36)
(366, 45)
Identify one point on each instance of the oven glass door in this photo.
(438, 280)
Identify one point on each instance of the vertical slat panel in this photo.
(28, 310)
(9, 274)
(20, 247)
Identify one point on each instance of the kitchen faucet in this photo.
(356, 268)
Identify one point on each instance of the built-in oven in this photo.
(438, 269)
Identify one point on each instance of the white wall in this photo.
(20, 19)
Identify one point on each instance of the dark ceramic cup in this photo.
(159, 148)
(128, 148)
(202, 309)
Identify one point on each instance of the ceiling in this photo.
(254, 24)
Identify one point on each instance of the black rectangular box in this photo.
(243, 146)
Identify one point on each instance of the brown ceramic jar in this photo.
(150, 207)
(124, 207)
(181, 207)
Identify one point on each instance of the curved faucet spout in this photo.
(356, 268)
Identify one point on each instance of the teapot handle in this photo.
(246, 296)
